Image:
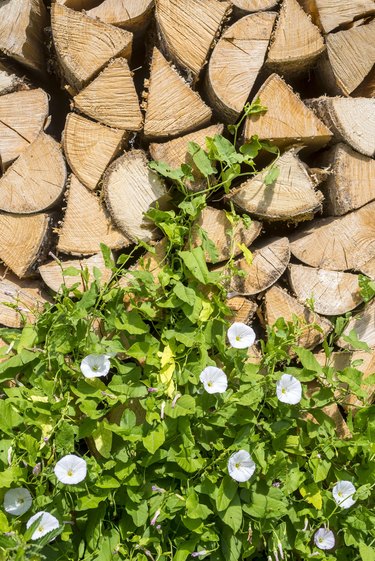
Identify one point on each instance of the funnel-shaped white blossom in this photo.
(343, 493)
(324, 539)
(289, 389)
(95, 366)
(17, 501)
(240, 466)
(214, 380)
(47, 523)
(71, 469)
(240, 335)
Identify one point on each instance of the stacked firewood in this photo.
(311, 63)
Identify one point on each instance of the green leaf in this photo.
(185, 549)
(267, 502)
(107, 256)
(231, 546)
(367, 287)
(132, 323)
(272, 175)
(184, 293)
(232, 516)
(138, 512)
(166, 171)
(185, 405)
(308, 360)
(367, 553)
(227, 490)
(154, 439)
(355, 343)
(246, 253)
(251, 149)
(201, 159)
(195, 262)
(208, 246)
(254, 108)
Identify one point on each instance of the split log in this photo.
(86, 224)
(199, 22)
(330, 14)
(9, 80)
(235, 63)
(85, 45)
(22, 117)
(21, 32)
(351, 183)
(36, 180)
(175, 152)
(352, 120)
(133, 15)
(333, 412)
(296, 43)
(89, 147)
(338, 244)
(363, 323)
(243, 7)
(368, 268)
(78, 4)
(279, 304)
(173, 108)
(287, 120)
(23, 241)
(53, 275)
(218, 228)
(243, 309)
(111, 98)
(291, 197)
(269, 263)
(130, 188)
(332, 292)
(26, 299)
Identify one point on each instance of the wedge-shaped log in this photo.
(279, 304)
(85, 45)
(22, 117)
(287, 120)
(26, 298)
(351, 183)
(22, 23)
(130, 188)
(296, 42)
(235, 63)
(333, 293)
(198, 23)
(89, 147)
(23, 241)
(175, 152)
(36, 180)
(352, 120)
(53, 272)
(218, 228)
(133, 15)
(173, 108)
(291, 197)
(87, 224)
(330, 14)
(243, 309)
(338, 244)
(363, 323)
(9, 80)
(111, 98)
(245, 6)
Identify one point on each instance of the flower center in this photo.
(70, 472)
(209, 384)
(238, 465)
(320, 540)
(95, 368)
(283, 390)
(41, 529)
(238, 338)
(20, 502)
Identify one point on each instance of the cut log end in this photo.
(53, 273)
(133, 15)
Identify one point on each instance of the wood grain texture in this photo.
(363, 323)
(243, 309)
(132, 15)
(9, 80)
(53, 275)
(246, 6)
(330, 14)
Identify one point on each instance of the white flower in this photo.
(46, 524)
(343, 493)
(241, 336)
(289, 389)
(324, 539)
(17, 501)
(214, 380)
(240, 466)
(71, 469)
(94, 366)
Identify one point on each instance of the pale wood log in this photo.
(52, 273)
(130, 188)
(9, 80)
(78, 4)
(332, 292)
(133, 15)
(87, 224)
(367, 88)
(338, 244)
(21, 32)
(291, 197)
(333, 412)
(352, 120)
(245, 6)
(296, 43)
(22, 117)
(89, 147)
(27, 298)
(279, 304)
(36, 180)
(368, 268)
(173, 108)
(175, 152)
(330, 14)
(85, 45)
(235, 63)
(363, 323)
(111, 98)
(218, 228)
(243, 309)
(152, 262)
(287, 120)
(188, 29)
(23, 241)
(351, 183)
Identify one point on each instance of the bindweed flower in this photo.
(289, 389)
(47, 523)
(154, 518)
(324, 539)
(95, 366)
(71, 469)
(240, 466)
(199, 553)
(37, 468)
(343, 493)
(214, 380)
(17, 501)
(152, 390)
(240, 335)
(157, 489)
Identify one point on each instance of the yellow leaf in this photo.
(167, 370)
(246, 253)
(311, 494)
(206, 311)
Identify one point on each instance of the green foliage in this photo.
(367, 287)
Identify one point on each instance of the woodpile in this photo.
(146, 77)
